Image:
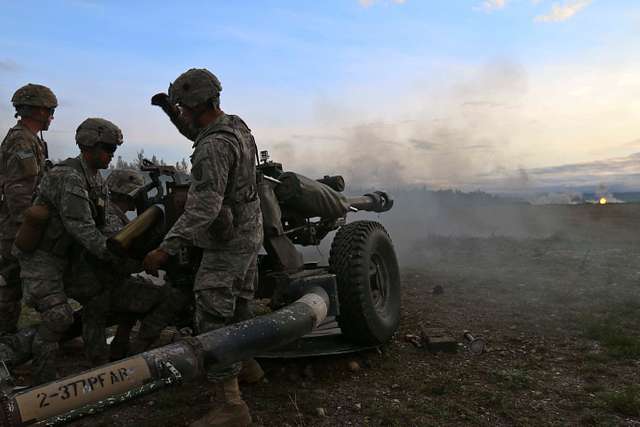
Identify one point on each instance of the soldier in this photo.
(114, 291)
(22, 163)
(75, 195)
(222, 216)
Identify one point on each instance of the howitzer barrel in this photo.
(378, 201)
(78, 395)
(124, 240)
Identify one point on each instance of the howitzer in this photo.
(296, 211)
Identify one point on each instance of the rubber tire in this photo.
(356, 247)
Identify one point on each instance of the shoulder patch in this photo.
(23, 154)
(78, 191)
(28, 162)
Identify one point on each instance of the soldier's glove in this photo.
(162, 100)
(154, 260)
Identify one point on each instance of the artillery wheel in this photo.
(365, 264)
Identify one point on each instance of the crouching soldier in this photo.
(107, 291)
(22, 163)
(65, 219)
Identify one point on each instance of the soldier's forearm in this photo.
(162, 101)
(187, 131)
(89, 237)
(18, 196)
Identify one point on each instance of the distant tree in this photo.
(139, 158)
(182, 165)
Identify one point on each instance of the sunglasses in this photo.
(108, 147)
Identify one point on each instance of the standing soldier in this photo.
(74, 195)
(22, 162)
(222, 216)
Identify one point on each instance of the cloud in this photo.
(559, 13)
(622, 173)
(367, 3)
(491, 5)
(8, 65)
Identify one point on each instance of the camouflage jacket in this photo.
(222, 207)
(85, 279)
(115, 220)
(77, 201)
(22, 164)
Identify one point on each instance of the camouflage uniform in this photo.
(76, 199)
(22, 162)
(222, 216)
(116, 291)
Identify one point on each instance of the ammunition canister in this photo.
(125, 239)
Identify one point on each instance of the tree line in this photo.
(120, 163)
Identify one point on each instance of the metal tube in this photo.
(378, 201)
(128, 378)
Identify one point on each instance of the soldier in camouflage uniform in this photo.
(22, 163)
(222, 216)
(104, 290)
(76, 196)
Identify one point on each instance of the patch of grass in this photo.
(440, 386)
(595, 367)
(593, 388)
(596, 357)
(494, 400)
(614, 338)
(511, 378)
(625, 401)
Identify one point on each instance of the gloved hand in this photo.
(154, 260)
(160, 99)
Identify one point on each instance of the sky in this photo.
(472, 94)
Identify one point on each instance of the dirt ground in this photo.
(559, 315)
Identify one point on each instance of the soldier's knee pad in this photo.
(57, 318)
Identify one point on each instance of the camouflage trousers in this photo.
(126, 301)
(43, 289)
(224, 285)
(10, 289)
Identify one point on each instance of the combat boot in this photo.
(251, 372)
(230, 411)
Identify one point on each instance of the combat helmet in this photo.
(33, 95)
(95, 131)
(124, 182)
(194, 87)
